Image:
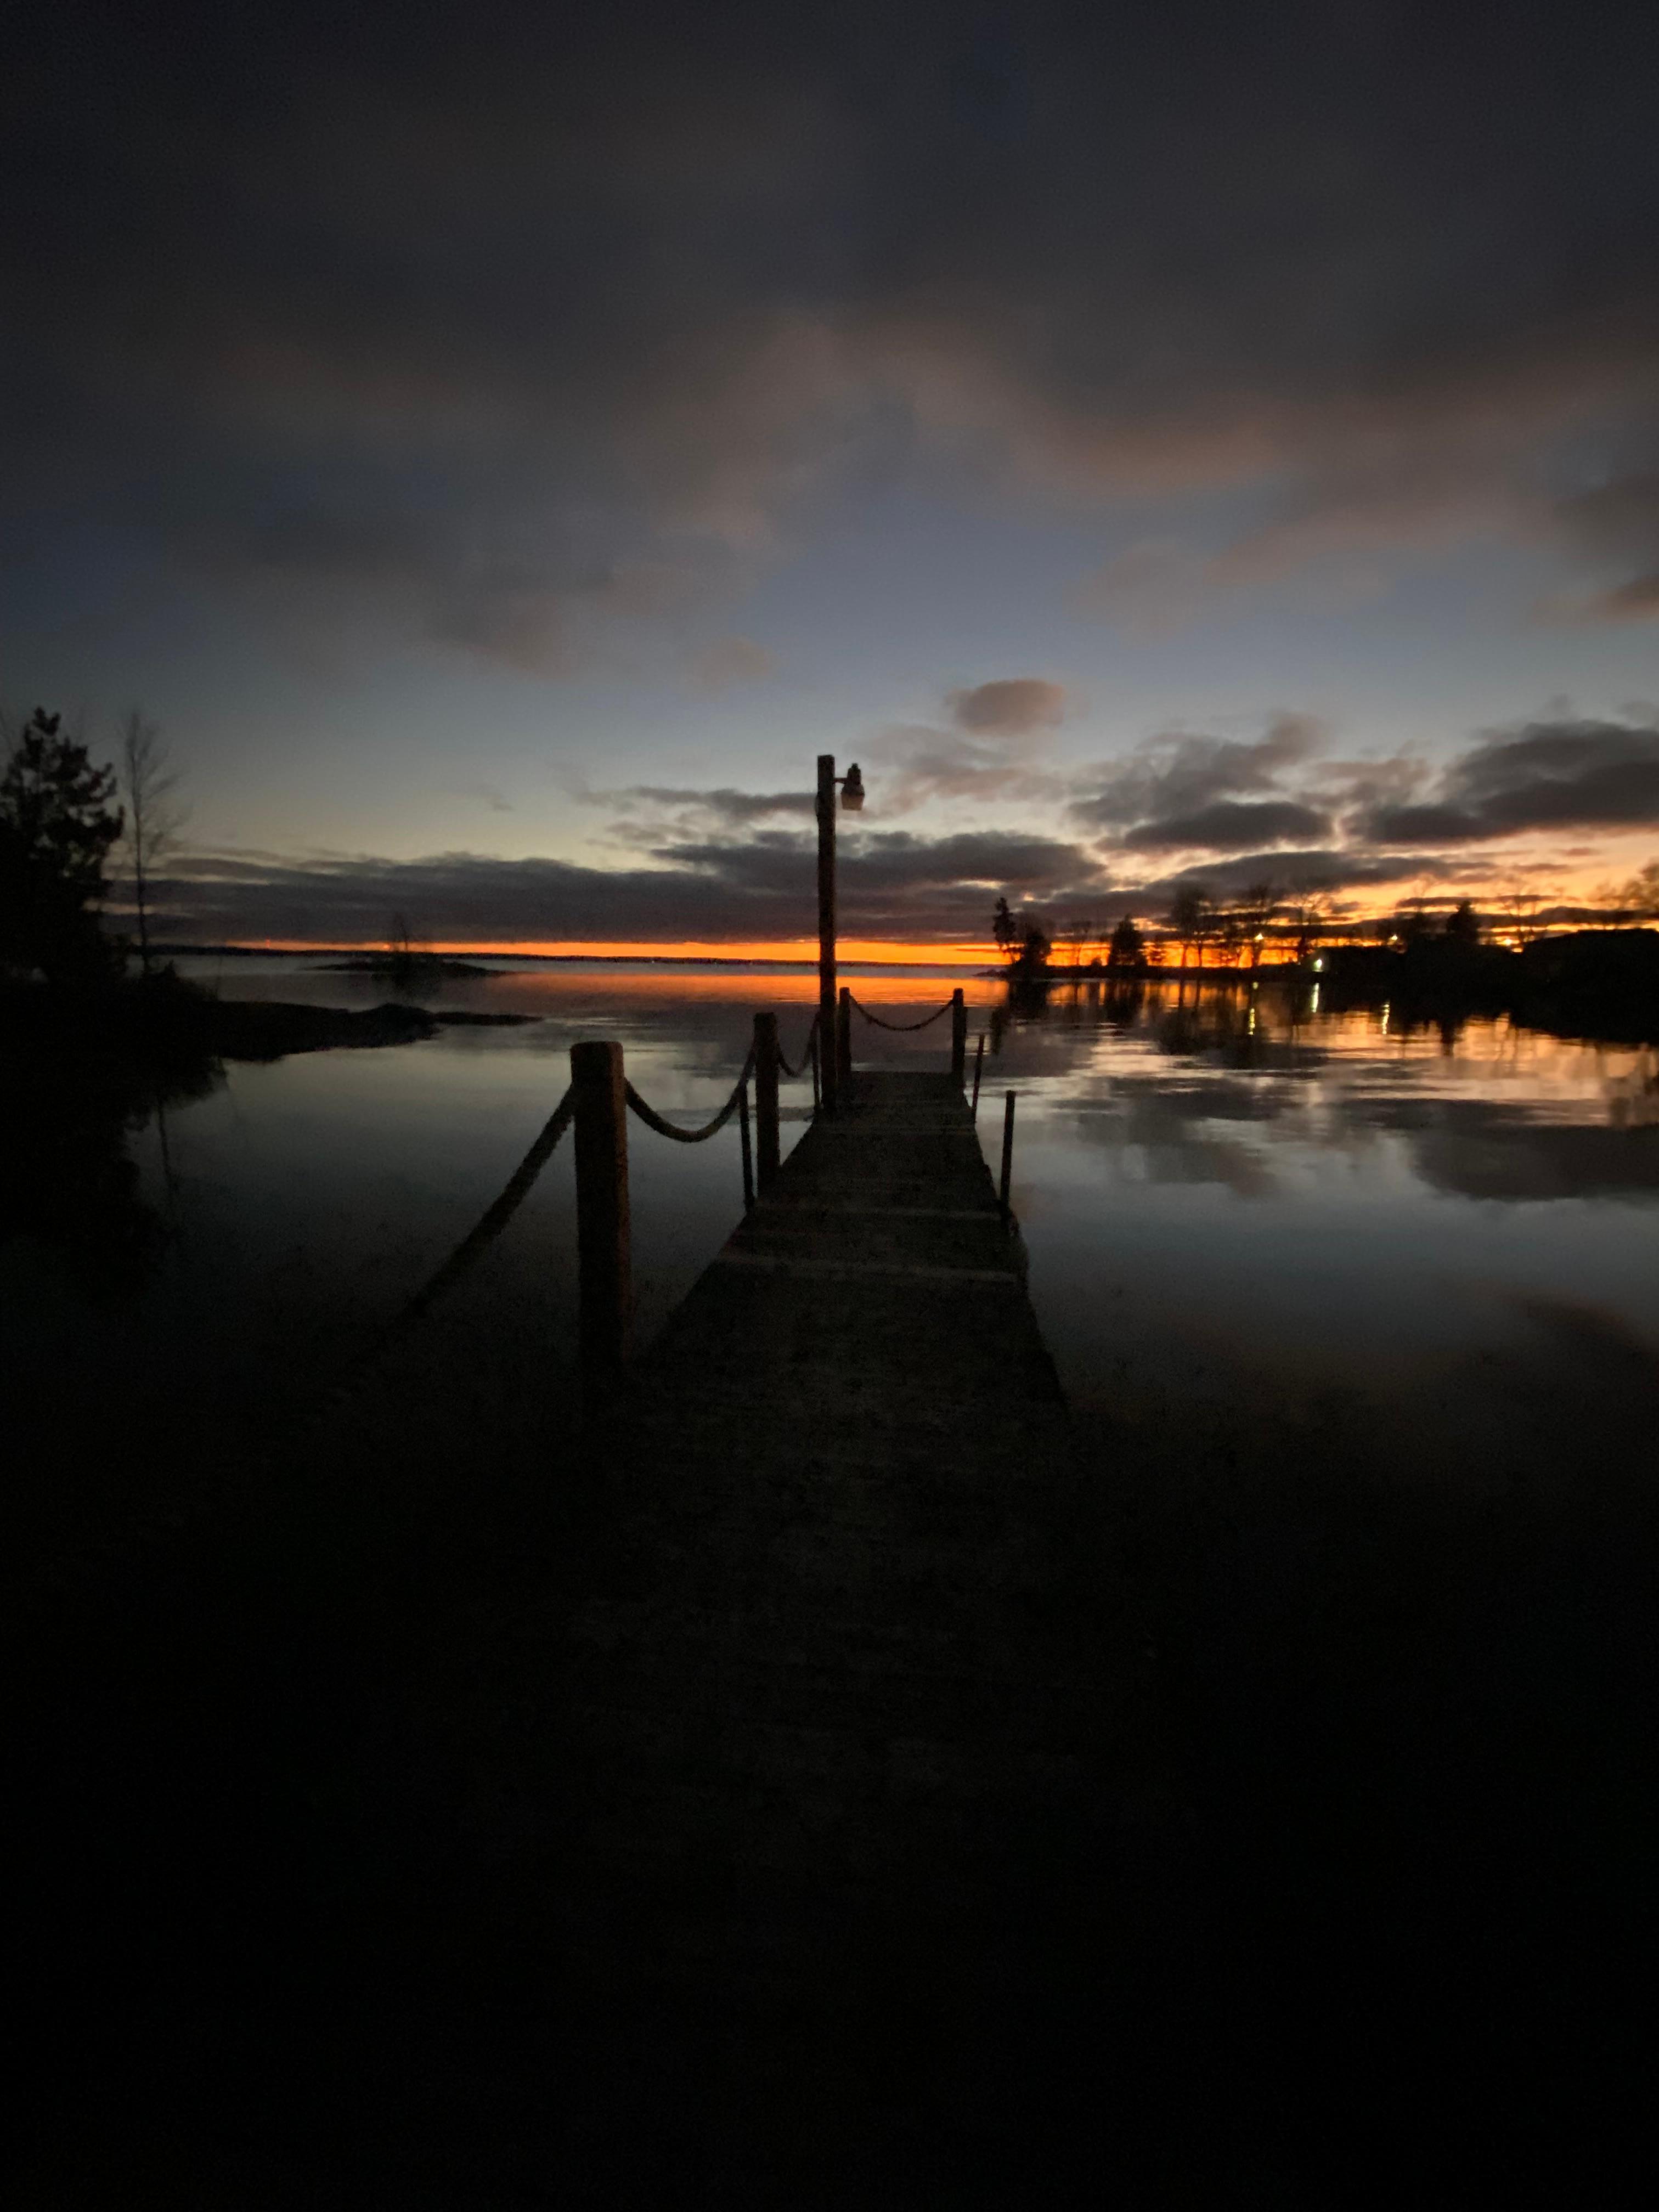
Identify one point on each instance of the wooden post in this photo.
(813, 1055)
(979, 1062)
(605, 1268)
(842, 1055)
(958, 1037)
(1007, 1154)
(743, 1147)
(768, 1151)
(828, 1070)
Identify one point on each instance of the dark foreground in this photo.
(942, 1813)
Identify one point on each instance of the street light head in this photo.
(852, 790)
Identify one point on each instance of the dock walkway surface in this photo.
(825, 1679)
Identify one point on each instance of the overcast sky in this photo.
(502, 447)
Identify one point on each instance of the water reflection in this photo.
(69, 1183)
(1231, 1164)
(1237, 1174)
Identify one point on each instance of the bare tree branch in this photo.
(154, 818)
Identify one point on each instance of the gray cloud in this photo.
(1635, 601)
(729, 662)
(891, 886)
(1616, 526)
(1228, 825)
(1011, 707)
(1547, 775)
(518, 332)
(1000, 749)
(1328, 868)
(722, 804)
(1176, 774)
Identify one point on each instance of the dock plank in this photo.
(825, 1661)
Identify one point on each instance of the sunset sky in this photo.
(502, 449)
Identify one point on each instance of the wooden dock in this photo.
(822, 1676)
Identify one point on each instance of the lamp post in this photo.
(851, 797)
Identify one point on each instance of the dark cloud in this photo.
(1544, 776)
(1000, 749)
(1230, 825)
(721, 805)
(1616, 526)
(1177, 775)
(728, 662)
(761, 886)
(1391, 818)
(1635, 601)
(872, 868)
(1328, 868)
(1010, 707)
(514, 327)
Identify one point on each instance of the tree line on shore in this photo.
(1265, 925)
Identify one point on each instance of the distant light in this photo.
(1319, 967)
(1258, 936)
(852, 790)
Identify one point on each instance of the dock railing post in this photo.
(959, 1038)
(843, 1040)
(744, 1148)
(768, 1151)
(604, 1264)
(979, 1063)
(1006, 1181)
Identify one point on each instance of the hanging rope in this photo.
(653, 1120)
(901, 1026)
(784, 1067)
(483, 1233)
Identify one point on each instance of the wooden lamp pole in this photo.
(828, 1070)
(831, 1066)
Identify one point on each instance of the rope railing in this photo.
(795, 1073)
(653, 1120)
(598, 1099)
(477, 1240)
(899, 1028)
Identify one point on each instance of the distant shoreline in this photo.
(358, 955)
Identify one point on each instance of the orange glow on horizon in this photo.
(874, 952)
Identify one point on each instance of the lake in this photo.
(1224, 1192)
(1355, 1572)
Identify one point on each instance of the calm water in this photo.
(1207, 1191)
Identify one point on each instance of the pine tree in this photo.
(57, 824)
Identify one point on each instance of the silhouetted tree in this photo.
(1075, 935)
(57, 826)
(1414, 925)
(1463, 925)
(154, 818)
(1254, 911)
(1309, 918)
(1035, 946)
(1128, 946)
(1022, 939)
(1190, 917)
(1521, 907)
